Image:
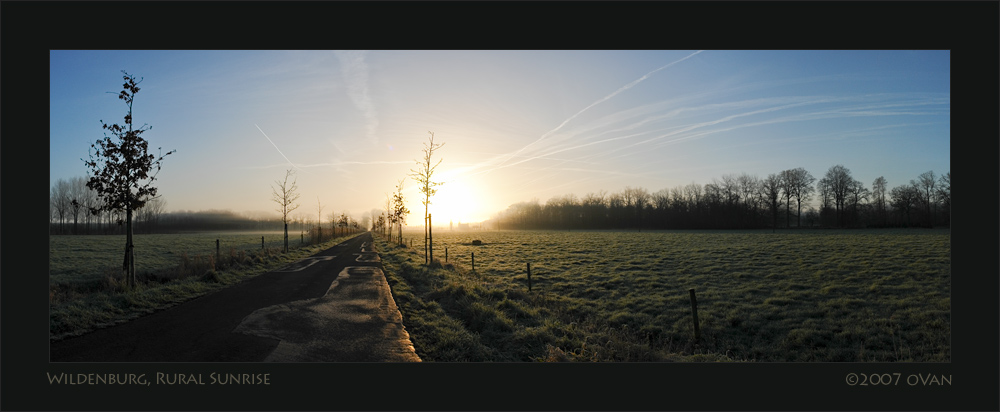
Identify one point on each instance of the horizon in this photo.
(518, 126)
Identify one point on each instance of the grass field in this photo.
(82, 259)
(797, 296)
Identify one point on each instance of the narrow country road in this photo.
(334, 306)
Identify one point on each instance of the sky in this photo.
(516, 125)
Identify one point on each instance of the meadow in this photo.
(791, 296)
(76, 260)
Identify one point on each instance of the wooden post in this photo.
(694, 313)
(473, 261)
(430, 240)
(262, 243)
(218, 256)
(529, 276)
(446, 254)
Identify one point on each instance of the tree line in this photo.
(744, 201)
(67, 219)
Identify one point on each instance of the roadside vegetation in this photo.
(804, 296)
(87, 291)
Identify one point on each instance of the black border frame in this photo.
(968, 29)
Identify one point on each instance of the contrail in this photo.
(602, 100)
(354, 71)
(276, 147)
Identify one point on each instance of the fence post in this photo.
(694, 314)
(262, 243)
(446, 254)
(529, 276)
(430, 240)
(218, 256)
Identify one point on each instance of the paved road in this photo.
(334, 306)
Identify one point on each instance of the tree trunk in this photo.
(128, 266)
(430, 240)
(426, 228)
(286, 237)
(798, 211)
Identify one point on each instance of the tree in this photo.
(122, 171)
(149, 214)
(319, 219)
(771, 190)
(389, 216)
(857, 193)
(749, 188)
(837, 184)
(904, 198)
(787, 179)
(944, 195)
(423, 176)
(926, 184)
(399, 210)
(285, 198)
(801, 188)
(78, 193)
(60, 200)
(879, 200)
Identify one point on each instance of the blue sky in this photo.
(517, 125)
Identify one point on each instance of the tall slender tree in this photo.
(423, 176)
(926, 183)
(122, 171)
(319, 219)
(60, 200)
(837, 184)
(879, 187)
(944, 195)
(771, 190)
(285, 195)
(801, 188)
(399, 210)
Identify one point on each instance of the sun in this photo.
(456, 201)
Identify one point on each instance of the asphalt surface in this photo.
(334, 306)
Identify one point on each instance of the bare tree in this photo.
(149, 214)
(771, 190)
(423, 177)
(593, 207)
(60, 200)
(944, 194)
(389, 216)
(857, 194)
(77, 193)
(399, 210)
(748, 185)
(800, 187)
(285, 195)
(333, 222)
(879, 200)
(926, 183)
(837, 184)
(319, 219)
(904, 199)
(122, 171)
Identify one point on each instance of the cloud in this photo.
(602, 100)
(354, 70)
